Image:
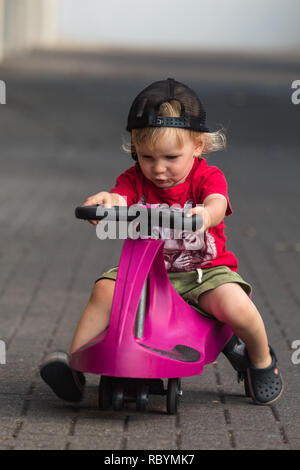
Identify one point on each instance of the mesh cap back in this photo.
(144, 111)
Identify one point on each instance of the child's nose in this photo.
(159, 168)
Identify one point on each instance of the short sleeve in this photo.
(126, 186)
(213, 181)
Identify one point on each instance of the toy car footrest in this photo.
(180, 352)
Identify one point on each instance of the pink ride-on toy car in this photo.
(153, 333)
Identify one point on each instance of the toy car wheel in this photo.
(172, 396)
(118, 397)
(105, 392)
(142, 397)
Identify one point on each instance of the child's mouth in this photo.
(160, 181)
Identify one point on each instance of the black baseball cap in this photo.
(145, 108)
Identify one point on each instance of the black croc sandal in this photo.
(264, 385)
(66, 383)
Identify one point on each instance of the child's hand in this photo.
(205, 214)
(105, 198)
(213, 210)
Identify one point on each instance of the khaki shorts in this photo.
(189, 286)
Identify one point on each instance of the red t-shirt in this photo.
(189, 252)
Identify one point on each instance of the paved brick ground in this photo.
(59, 142)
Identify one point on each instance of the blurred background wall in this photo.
(231, 25)
(176, 24)
(25, 24)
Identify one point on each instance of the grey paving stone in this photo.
(40, 442)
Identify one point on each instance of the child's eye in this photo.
(172, 157)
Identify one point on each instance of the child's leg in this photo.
(231, 305)
(66, 383)
(96, 315)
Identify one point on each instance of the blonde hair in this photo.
(213, 141)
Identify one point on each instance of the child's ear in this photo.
(199, 148)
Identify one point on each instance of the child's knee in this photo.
(103, 291)
(230, 304)
(244, 313)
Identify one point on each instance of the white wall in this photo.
(207, 24)
(172, 24)
(27, 23)
(1, 28)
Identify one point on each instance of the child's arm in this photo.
(213, 212)
(105, 198)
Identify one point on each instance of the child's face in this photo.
(168, 164)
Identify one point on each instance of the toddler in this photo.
(169, 135)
